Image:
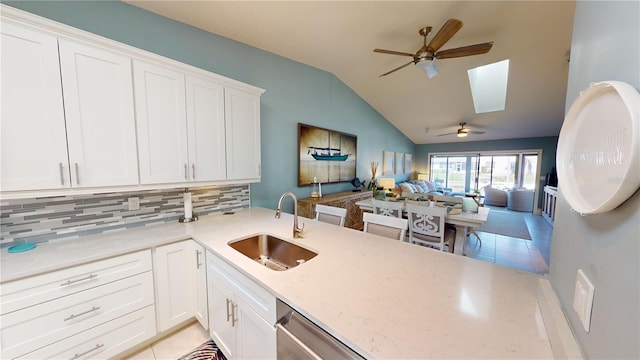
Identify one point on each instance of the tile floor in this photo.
(527, 255)
(173, 346)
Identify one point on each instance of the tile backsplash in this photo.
(44, 219)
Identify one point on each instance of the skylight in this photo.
(489, 86)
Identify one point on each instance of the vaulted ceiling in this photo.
(339, 37)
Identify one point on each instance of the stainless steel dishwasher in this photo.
(299, 338)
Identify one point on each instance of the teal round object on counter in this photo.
(21, 247)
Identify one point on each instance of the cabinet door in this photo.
(221, 326)
(256, 339)
(161, 123)
(174, 273)
(242, 113)
(32, 134)
(98, 102)
(205, 126)
(200, 283)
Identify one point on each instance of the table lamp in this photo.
(387, 183)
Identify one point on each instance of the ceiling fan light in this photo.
(462, 133)
(430, 68)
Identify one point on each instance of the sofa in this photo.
(421, 187)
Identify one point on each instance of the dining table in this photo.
(464, 221)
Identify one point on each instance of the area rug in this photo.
(206, 351)
(507, 223)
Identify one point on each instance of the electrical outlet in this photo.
(134, 203)
(583, 299)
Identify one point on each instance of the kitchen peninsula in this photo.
(383, 298)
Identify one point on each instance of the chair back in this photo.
(387, 208)
(387, 226)
(427, 227)
(330, 214)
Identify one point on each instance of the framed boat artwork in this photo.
(328, 156)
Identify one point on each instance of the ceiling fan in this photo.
(426, 55)
(463, 132)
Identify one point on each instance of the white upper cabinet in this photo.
(81, 112)
(98, 102)
(161, 123)
(32, 135)
(206, 129)
(242, 111)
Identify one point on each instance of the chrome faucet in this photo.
(297, 232)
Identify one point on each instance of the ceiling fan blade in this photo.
(454, 133)
(476, 49)
(398, 68)
(445, 33)
(391, 52)
(477, 132)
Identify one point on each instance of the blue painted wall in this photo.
(294, 92)
(605, 246)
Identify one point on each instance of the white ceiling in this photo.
(339, 37)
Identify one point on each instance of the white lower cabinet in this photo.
(241, 313)
(94, 300)
(104, 341)
(180, 283)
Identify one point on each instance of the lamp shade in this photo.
(387, 183)
(423, 176)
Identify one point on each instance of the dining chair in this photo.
(388, 208)
(427, 227)
(330, 214)
(387, 226)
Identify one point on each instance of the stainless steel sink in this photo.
(272, 252)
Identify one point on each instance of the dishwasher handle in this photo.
(301, 345)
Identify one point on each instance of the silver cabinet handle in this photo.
(77, 175)
(73, 316)
(186, 175)
(229, 301)
(79, 355)
(69, 282)
(198, 263)
(193, 171)
(61, 174)
(234, 319)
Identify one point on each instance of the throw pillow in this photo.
(406, 187)
(429, 185)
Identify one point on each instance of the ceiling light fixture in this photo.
(430, 68)
(462, 133)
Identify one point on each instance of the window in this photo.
(468, 172)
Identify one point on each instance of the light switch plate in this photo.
(583, 299)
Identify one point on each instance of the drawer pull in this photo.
(73, 316)
(98, 346)
(69, 282)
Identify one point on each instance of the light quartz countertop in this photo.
(383, 298)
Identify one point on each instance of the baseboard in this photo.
(562, 340)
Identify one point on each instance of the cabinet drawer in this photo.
(31, 328)
(254, 295)
(19, 294)
(103, 341)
